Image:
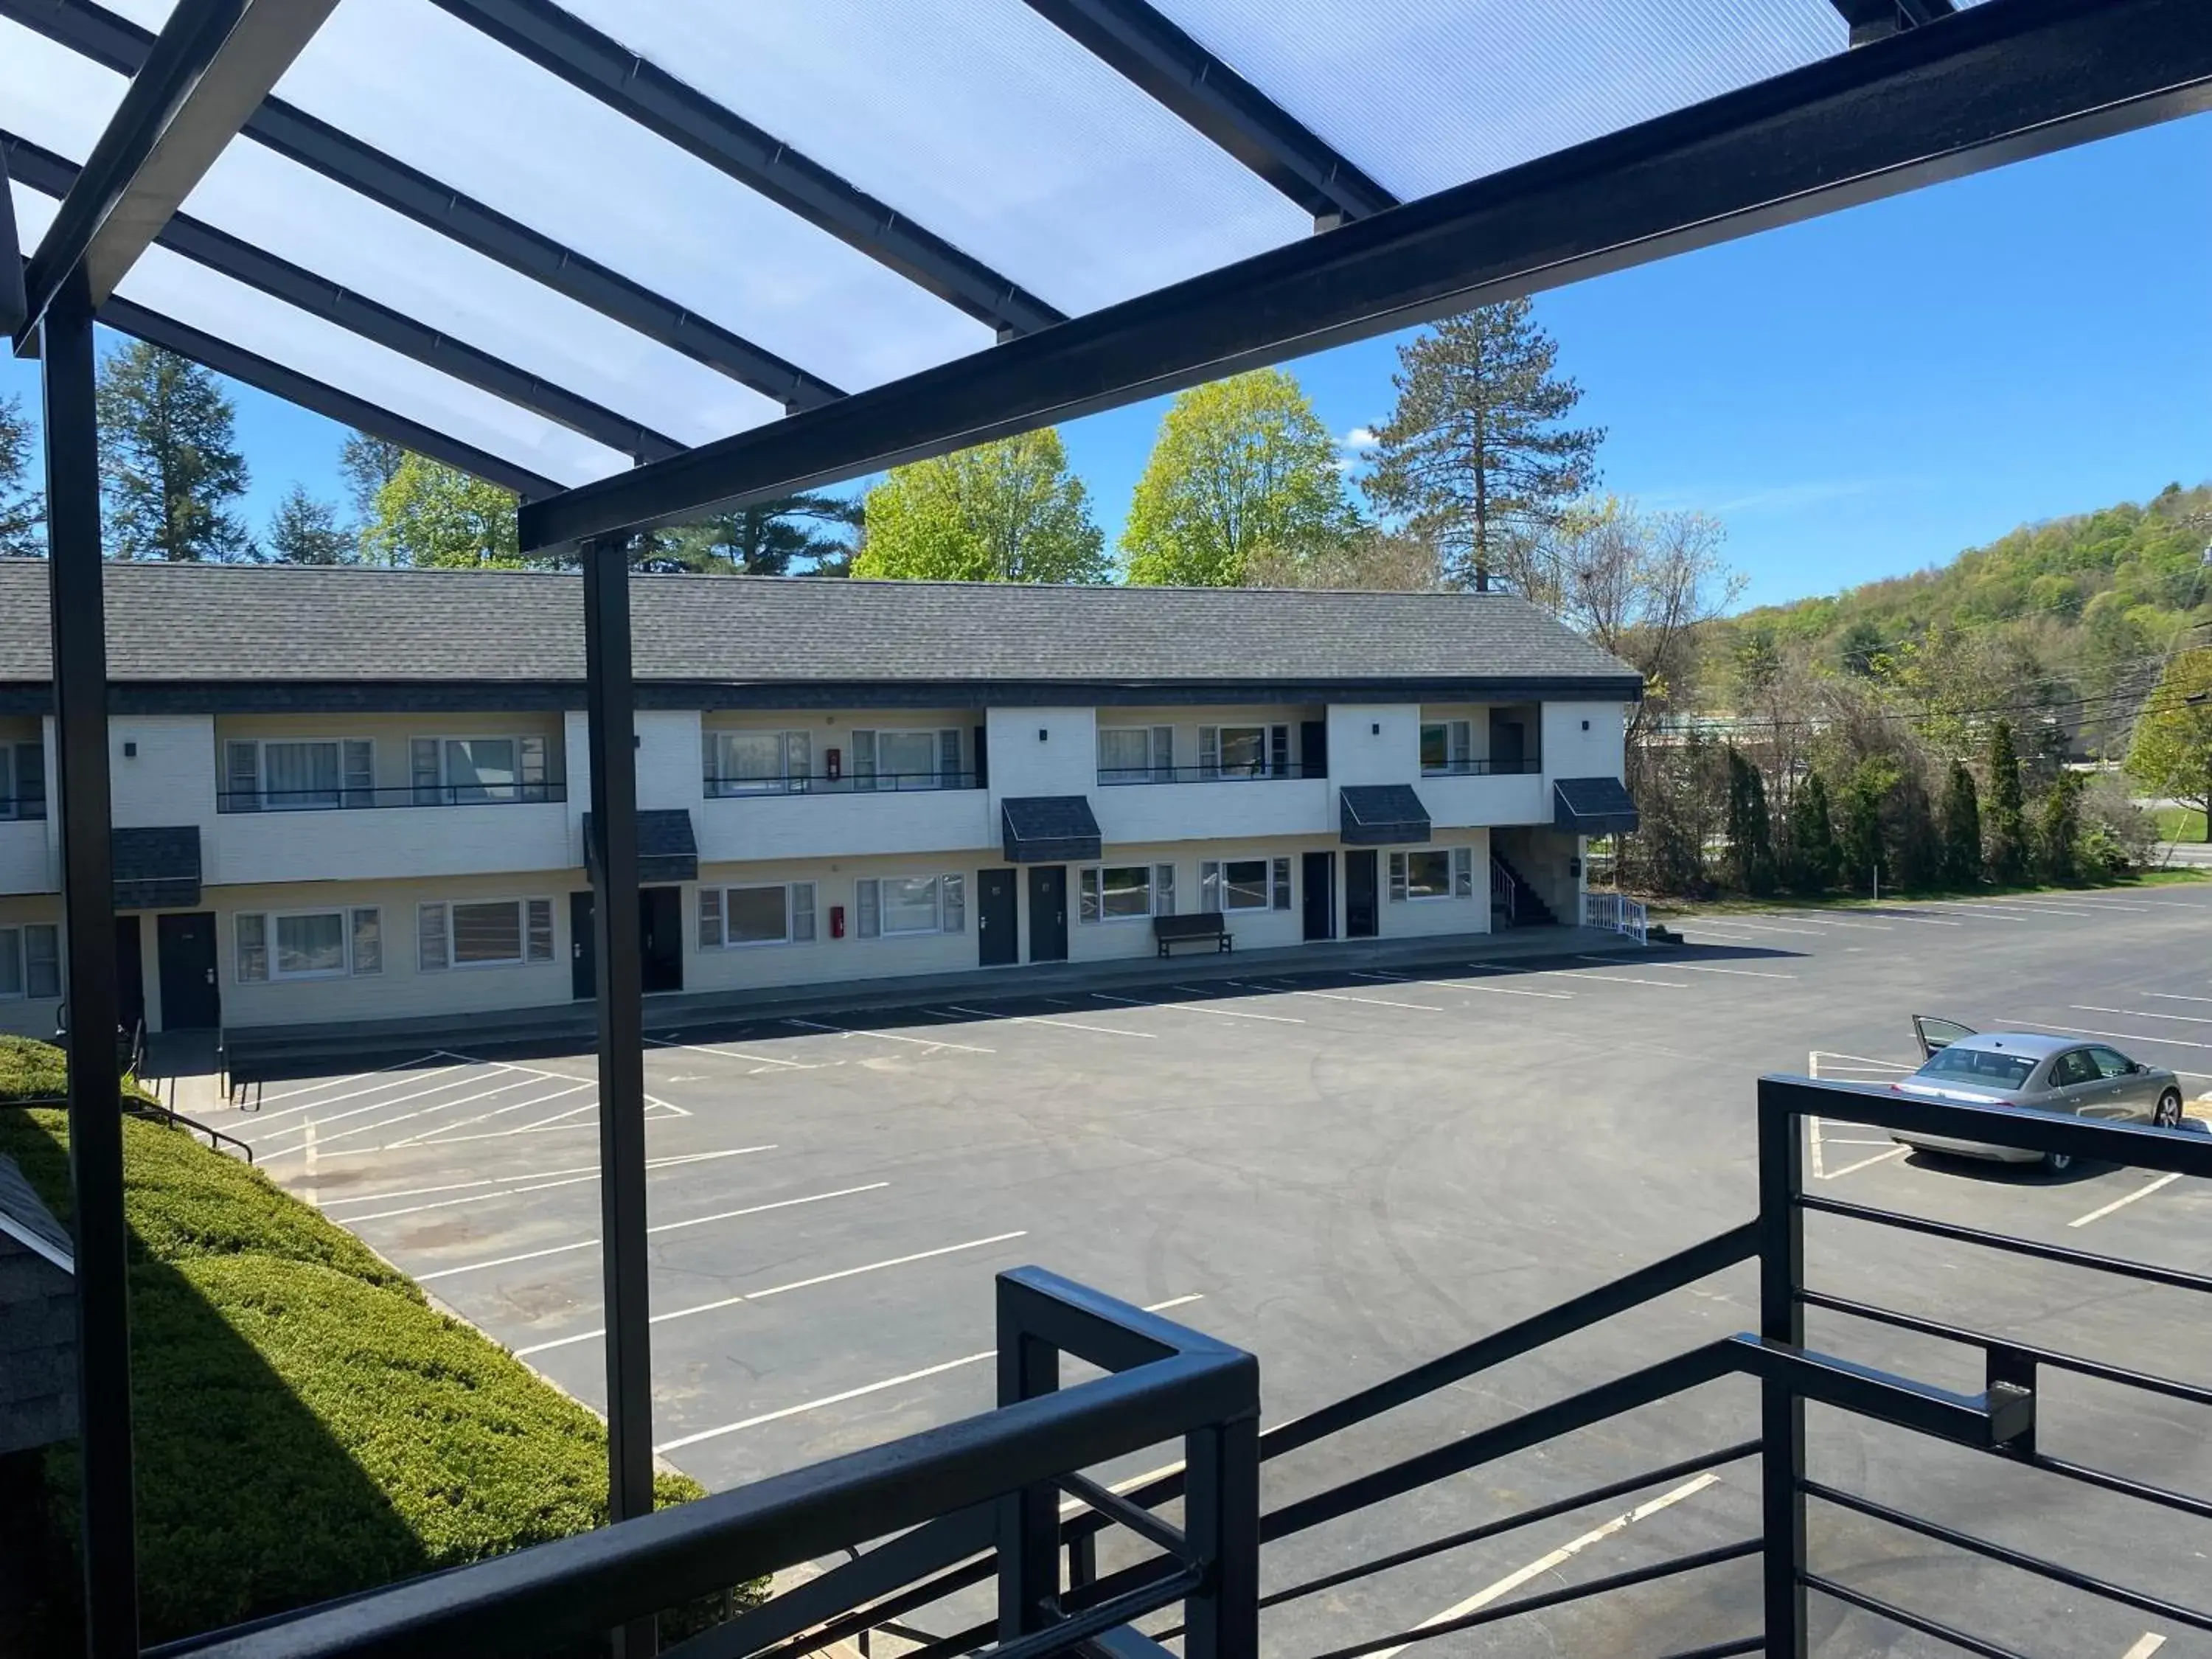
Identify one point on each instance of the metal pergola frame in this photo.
(1934, 95)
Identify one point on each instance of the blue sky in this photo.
(1855, 397)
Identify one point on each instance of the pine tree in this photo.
(767, 537)
(1474, 454)
(2058, 829)
(1750, 831)
(1812, 854)
(22, 508)
(1863, 842)
(306, 530)
(1962, 828)
(1916, 845)
(2006, 823)
(168, 460)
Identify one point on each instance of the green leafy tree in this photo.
(367, 463)
(1962, 828)
(2171, 752)
(1863, 844)
(2005, 854)
(1476, 453)
(305, 529)
(168, 459)
(2058, 829)
(1004, 512)
(1241, 466)
(810, 529)
(1916, 845)
(22, 508)
(432, 514)
(1812, 854)
(1750, 831)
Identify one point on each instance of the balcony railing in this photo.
(717, 787)
(418, 795)
(1527, 766)
(1114, 776)
(21, 806)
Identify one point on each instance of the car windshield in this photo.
(1991, 1070)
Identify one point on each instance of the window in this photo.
(1432, 872)
(482, 933)
(1447, 746)
(780, 914)
(22, 781)
(1129, 892)
(1979, 1066)
(298, 775)
(30, 961)
(2110, 1062)
(892, 906)
(1243, 751)
(1136, 754)
(307, 944)
(470, 771)
(758, 763)
(906, 759)
(2072, 1067)
(1244, 885)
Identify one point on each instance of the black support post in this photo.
(95, 1113)
(1221, 1517)
(611, 701)
(1029, 1518)
(1781, 1409)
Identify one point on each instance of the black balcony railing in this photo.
(717, 787)
(1114, 776)
(21, 806)
(418, 795)
(1527, 766)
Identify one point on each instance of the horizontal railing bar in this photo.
(2001, 1414)
(2147, 1381)
(1140, 1521)
(2057, 1573)
(720, 786)
(877, 1615)
(1120, 777)
(276, 802)
(1080, 1627)
(1926, 1627)
(1519, 1518)
(1723, 1650)
(2118, 1266)
(971, 1639)
(1491, 1614)
(2126, 1485)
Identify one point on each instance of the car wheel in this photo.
(2058, 1162)
(2168, 1113)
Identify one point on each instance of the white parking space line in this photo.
(1707, 968)
(864, 1388)
(2151, 1642)
(266, 1118)
(391, 1101)
(736, 1054)
(1053, 1019)
(1466, 985)
(1831, 921)
(318, 1127)
(533, 1184)
(2084, 1030)
(1558, 1557)
(1334, 996)
(2019, 909)
(779, 1289)
(1199, 1008)
(1749, 927)
(2136, 1013)
(664, 1227)
(424, 1138)
(2177, 996)
(2122, 1202)
(890, 1036)
(1579, 975)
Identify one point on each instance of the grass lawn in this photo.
(307, 1425)
(2179, 823)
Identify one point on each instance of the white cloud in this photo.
(1359, 438)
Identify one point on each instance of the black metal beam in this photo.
(129, 318)
(212, 63)
(234, 257)
(14, 309)
(79, 612)
(1994, 84)
(1178, 73)
(644, 93)
(122, 45)
(1877, 20)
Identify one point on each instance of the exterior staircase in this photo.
(1513, 902)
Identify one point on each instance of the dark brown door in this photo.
(583, 948)
(1362, 912)
(191, 1000)
(1320, 876)
(997, 928)
(1048, 913)
(661, 937)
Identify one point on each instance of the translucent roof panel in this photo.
(1423, 95)
(187, 293)
(981, 121)
(420, 86)
(52, 97)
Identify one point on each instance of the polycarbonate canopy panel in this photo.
(1423, 95)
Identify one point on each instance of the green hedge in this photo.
(307, 1424)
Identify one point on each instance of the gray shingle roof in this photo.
(295, 624)
(29, 1222)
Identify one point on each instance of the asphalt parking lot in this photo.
(1348, 1174)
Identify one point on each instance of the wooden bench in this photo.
(1170, 930)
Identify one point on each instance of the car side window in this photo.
(2071, 1067)
(2109, 1062)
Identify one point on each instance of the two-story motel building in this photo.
(360, 794)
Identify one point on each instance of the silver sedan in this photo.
(2029, 1069)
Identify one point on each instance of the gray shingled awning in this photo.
(1593, 806)
(156, 869)
(1380, 815)
(1049, 829)
(666, 849)
(27, 1220)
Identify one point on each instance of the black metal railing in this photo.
(23, 807)
(718, 787)
(989, 1485)
(1528, 765)
(1113, 777)
(411, 794)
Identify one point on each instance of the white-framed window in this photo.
(298, 774)
(30, 961)
(1447, 746)
(1243, 751)
(776, 914)
(1125, 892)
(470, 771)
(906, 758)
(1136, 754)
(482, 933)
(283, 944)
(892, 907)
(757, 762)
(1244, 885)
(22, 781)
(1432, 872)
